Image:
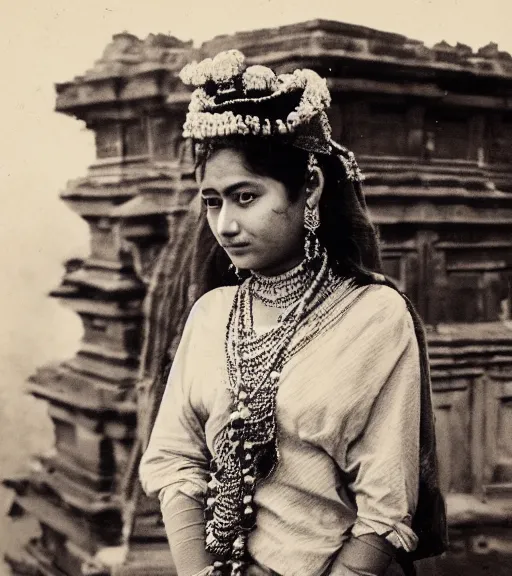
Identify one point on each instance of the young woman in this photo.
(295, 436)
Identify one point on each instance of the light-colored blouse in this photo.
(348, 411)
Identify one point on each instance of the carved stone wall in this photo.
(432, 129)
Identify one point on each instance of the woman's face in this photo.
(251, 215)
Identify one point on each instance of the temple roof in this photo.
(127, 54)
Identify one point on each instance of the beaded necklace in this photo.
(283, 290)
(246, 449)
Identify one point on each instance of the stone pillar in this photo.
(129, 193)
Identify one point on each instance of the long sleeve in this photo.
(176, 458)
(185, 527)
(175, 463)
(383, 461)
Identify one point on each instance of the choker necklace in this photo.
(283, 290)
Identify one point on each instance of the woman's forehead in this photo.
(226, 167)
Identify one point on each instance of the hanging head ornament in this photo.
(233, 99)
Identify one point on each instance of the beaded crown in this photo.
(231, 98)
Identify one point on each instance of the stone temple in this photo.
(432, 129)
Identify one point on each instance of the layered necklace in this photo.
(246, 449)
(283, 290)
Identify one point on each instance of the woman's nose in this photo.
(227, 225)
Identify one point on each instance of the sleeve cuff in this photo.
(399, 534)
(195, 489)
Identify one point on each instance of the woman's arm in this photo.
(368, 555)
(383, 459)
(175, 463)
(185, 527)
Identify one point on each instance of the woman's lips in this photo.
(237, 248)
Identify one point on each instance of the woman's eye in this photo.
(245, 197)
(211, 202)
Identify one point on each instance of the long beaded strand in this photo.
(254, 363)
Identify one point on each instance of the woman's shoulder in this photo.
(209, 314)
(378, 306)
(373, 322)
(380, 297)
(215, 303)
(222, 296)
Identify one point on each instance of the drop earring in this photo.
(311, 224)
(311, 219)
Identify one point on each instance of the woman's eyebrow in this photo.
(229, 189)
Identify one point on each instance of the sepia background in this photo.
(42, 43)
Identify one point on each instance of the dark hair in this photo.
(345, 229)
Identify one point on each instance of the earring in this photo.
(311, 219)
(311, 224)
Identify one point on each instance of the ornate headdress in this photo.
(231, 99)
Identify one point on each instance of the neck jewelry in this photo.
(283, 290)
(246, 450)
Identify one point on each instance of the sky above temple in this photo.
(43, 42)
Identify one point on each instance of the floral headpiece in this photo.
(233, 99)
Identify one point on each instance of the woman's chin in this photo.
(263, 266)
(245, 262)
(249, 261)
